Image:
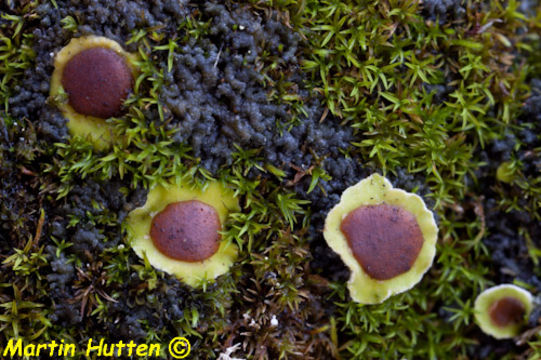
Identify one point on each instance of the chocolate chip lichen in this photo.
(506, 311)
(177, 230)
(502, 310)
(91, 80)
(385, 236)
(186, 231)
(384, 239)
(97, 81)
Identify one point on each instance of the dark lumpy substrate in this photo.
(509, 231)
(89, 237)
(186, 231)
(506, 311)
(97, 81)
(385, 239)
(20, 195)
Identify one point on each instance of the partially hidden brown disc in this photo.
(385, 239)
(506, 311)
(187, 231)
(97, 81)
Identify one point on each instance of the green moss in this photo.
(376, 83)
(505, 172)
(372, 191)
(373, 68)
(16, 53)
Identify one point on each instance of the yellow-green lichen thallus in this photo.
(501, 311)
(371, 193)
(194, 273)
(94, 129)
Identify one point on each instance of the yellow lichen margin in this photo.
(192, 273)
(96, 130)
(375, 190)
(485, 300)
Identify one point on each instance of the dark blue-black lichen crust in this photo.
(215, 95)
(79, 219)
(19, 183)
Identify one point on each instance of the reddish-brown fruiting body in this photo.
(97, 81)
(187, 231)
(507, 310)
(384, 239)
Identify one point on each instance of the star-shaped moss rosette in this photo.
(178, 230)
(93, 76)
(502, 310)
(386, 236)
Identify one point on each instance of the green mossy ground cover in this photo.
(380, 67)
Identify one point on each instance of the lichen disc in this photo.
(97, 81)
(187, 231)
(371, 282)
(384, 239)
(505, 311)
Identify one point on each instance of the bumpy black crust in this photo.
(19, 187)
(215, 93)
(505, 241)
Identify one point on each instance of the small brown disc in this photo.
(505, 311)
(97, 81)
(384, 239)
(186, 231)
